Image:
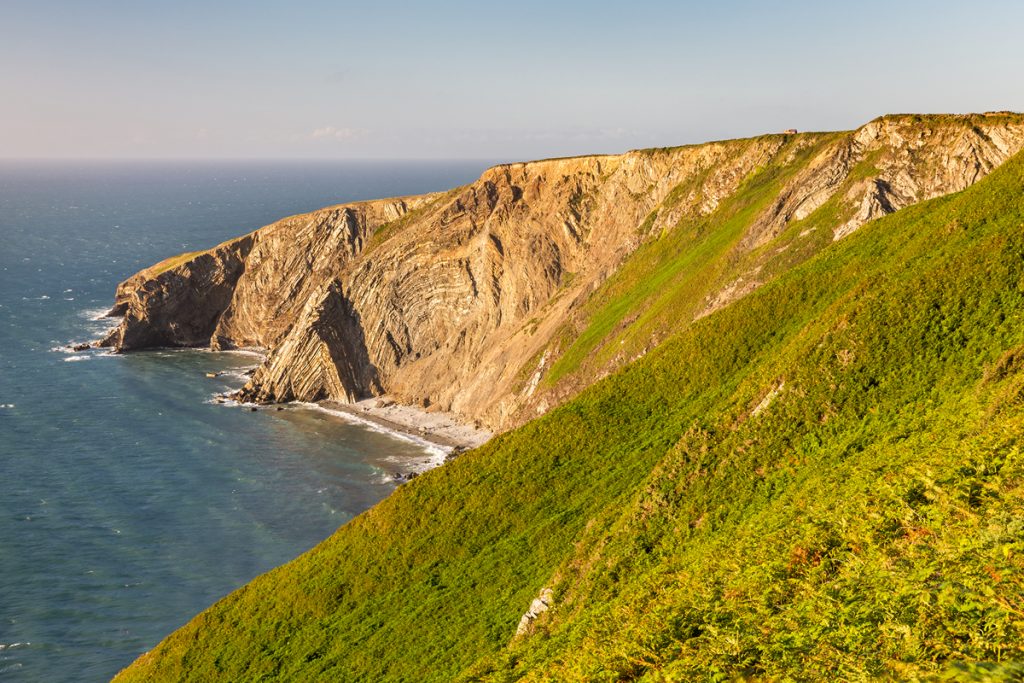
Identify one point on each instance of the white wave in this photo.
(230, 402)
(76, 358)
(435, 452)
(11, 646)
(95, 314)
(100, 323)
(237, 373)
(7, 406)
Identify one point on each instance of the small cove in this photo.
(130, 499)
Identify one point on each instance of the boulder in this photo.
(540, 604)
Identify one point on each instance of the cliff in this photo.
(821, 479)
(502, 299)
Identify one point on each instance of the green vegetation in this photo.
(648, 223)
(395, 227)
(867, 522)
(172, 262)
(181, 259)
(988, 118)
(822, 481)
(651, 151)
(666, 279)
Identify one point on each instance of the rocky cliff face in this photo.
(460, 299)
(180, 301)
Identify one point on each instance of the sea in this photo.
(129, 499)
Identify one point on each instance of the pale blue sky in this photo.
(509, 80)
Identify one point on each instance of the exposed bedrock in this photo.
(324, 356)
(178, 302)
(463, 300)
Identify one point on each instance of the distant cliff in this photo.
(506, 297)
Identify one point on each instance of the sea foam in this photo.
(435, 452)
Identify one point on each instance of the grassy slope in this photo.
(665, 281)
(868, 521)
(864, 522)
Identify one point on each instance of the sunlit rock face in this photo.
(460, 300)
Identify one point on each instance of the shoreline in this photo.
(439, 429)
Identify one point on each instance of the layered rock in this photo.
(541, 604)
(292, 259)
(914, 158)
(180, 301)
(458, 300)
(324, 357)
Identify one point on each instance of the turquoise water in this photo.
(129, 501)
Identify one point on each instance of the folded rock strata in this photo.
(460, 299)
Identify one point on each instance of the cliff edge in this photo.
(499, 300)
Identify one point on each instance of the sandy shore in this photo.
(439, 428)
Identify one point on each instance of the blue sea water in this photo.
(128, 500)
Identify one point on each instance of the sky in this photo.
(480, 80)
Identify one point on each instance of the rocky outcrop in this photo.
(922, 162)
(324, 356)
(459, 300)
(291, 261)
(541, 604)
(911, 159)
(180, 301)
(878, 197)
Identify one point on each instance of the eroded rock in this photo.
(459, 300)
(541, 604)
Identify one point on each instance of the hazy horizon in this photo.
(423, 160)
(454, 80)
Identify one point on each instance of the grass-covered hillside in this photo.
(820, 481)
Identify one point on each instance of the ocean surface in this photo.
(129, 501)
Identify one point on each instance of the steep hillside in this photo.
(502, 299)
(821, 480)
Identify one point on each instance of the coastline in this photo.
(439, 429)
